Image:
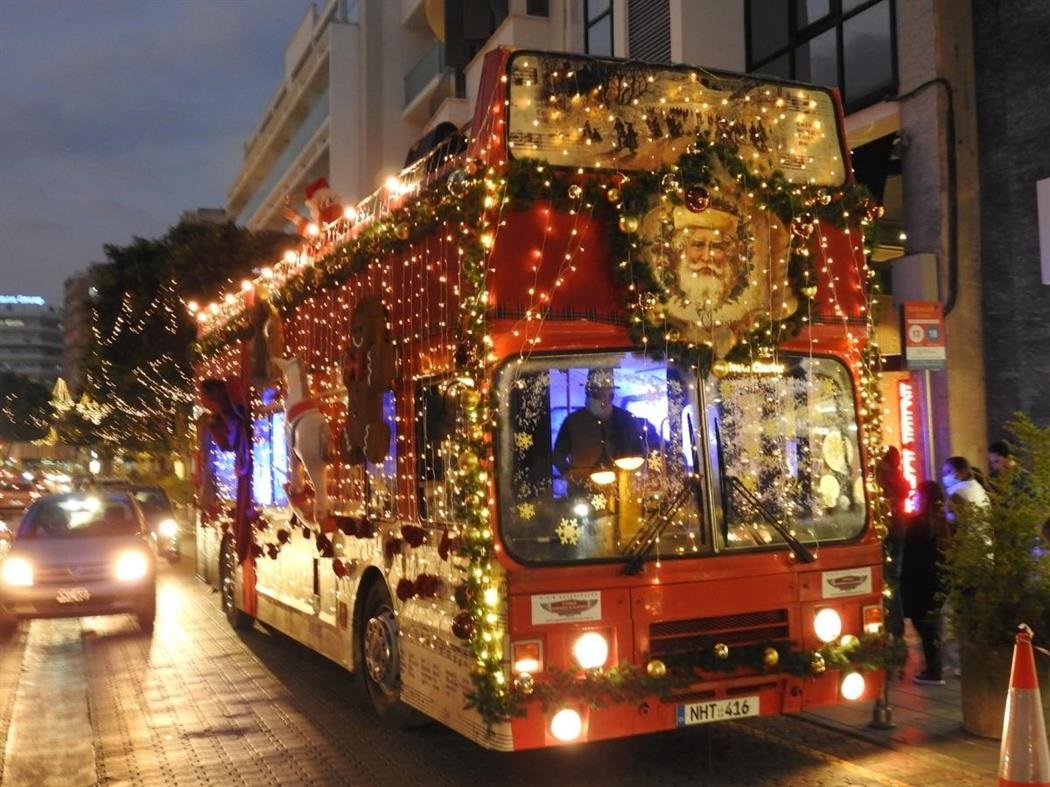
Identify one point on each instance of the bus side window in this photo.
(435, 422)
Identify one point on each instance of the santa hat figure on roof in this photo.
(323, 204)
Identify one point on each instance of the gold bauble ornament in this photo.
(849, 641)
(720, 368)
(802, 226)
(770, 657)
(656, 669)
(614, 196)
(881, 530)
(457, 183)
(816, 664)
(524, 684)
(468, 460)
(628, 224)
(808, 290)
(575, 191)
(401, 231)
(722, 650)
(697, 199)
(824, 197)
(471, 399)
(669, 183)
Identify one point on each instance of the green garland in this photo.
(599, 688)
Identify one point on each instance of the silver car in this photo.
(80, 554)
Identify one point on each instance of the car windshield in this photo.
(599, 448)
(152, 499)
(79, 517)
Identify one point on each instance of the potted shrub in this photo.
(998, 577)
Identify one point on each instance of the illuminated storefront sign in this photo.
(22, 300)
(909, 447)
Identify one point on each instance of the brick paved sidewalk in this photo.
(926, 717)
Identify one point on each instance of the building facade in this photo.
(365, 80)
(30, 337)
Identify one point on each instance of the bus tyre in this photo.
(380, 667)
(228, 587)
(147, 613)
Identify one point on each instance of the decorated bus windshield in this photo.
(594, 447)
(582, 112)
(784, 447)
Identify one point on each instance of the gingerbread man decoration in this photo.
(368, 372)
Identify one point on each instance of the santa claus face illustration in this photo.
(709, 262)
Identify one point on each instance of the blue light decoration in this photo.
(270, 460)
(220, 465)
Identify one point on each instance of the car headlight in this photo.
(168, 528)
(566, 725)
(131, 565)
(827, 624)
(17, 571)
(591, 650)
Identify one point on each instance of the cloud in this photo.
(115, 116)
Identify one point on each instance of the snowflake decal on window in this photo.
(568, 531)
(655, 462)
(526, 511)
(523, 440)
(599, 502)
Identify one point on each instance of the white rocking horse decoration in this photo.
(308, 437)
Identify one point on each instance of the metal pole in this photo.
(882, 713)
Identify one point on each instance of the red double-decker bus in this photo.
(561, 437)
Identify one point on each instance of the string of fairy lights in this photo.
(418, 239)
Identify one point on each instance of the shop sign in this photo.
(923, 340)
(909, 442)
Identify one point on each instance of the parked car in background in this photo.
(15, 496)
(85, 553)
(158, 510)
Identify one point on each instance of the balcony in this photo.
(428, 83)
(315, 119)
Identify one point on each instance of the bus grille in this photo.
(681, 636)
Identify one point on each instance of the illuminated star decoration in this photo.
(526, 511)
(568, 532)
(523, 440)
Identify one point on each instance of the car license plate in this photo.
(718, 710)
(72, 595)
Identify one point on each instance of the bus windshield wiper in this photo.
(649, 533)
(760, 508)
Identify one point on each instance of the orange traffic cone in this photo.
(1023, 757)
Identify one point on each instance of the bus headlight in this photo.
(17, 572)
(566, 725)
(131, 565)
(852, 686)
(168, 528)
(827, 624)
(591, 650)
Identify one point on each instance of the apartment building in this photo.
(365, 80)
(30, 337)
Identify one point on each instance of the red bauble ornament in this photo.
(697, 199)
(413, 534)
(463, 624)
(406, 588)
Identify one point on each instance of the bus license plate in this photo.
(719, 710)
(72, 595)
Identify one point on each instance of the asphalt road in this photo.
(95, 701)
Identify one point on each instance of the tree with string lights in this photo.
(139, 364)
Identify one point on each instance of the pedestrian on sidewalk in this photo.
(895, 490)
(922, 577)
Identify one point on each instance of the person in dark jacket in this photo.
(921, 576)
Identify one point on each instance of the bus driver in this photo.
(597, 434)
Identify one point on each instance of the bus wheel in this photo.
(228, 587)
(380, 660)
